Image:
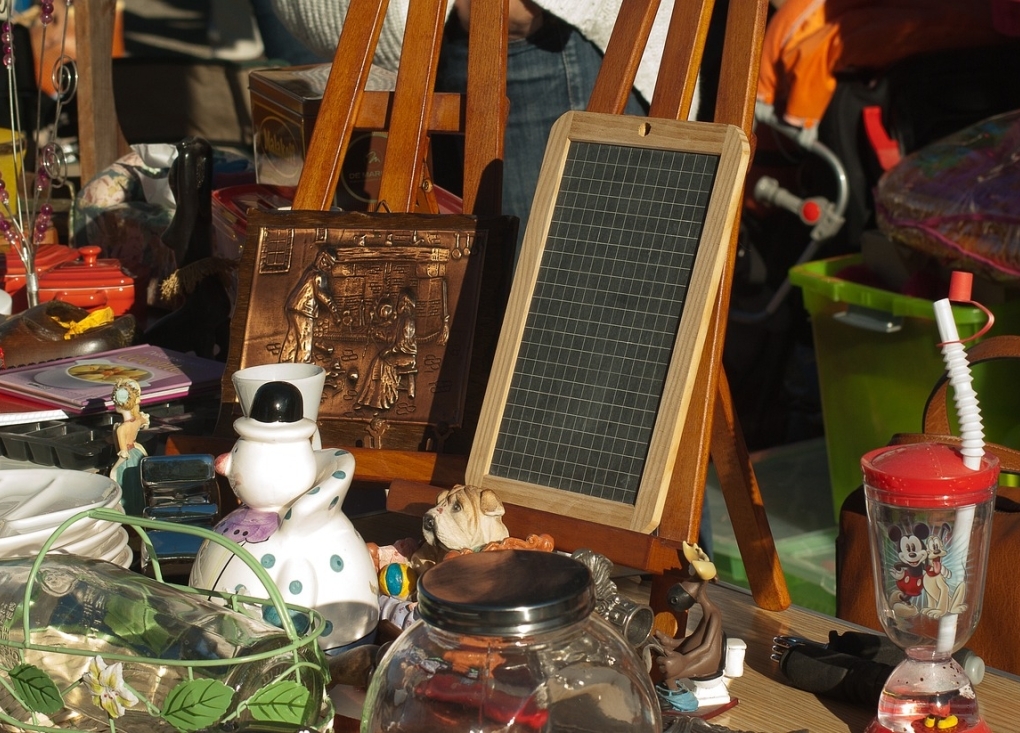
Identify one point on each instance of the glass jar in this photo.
(507, 641)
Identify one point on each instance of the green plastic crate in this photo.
(809, 567)
(878, 359)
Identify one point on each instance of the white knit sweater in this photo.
(317, 23)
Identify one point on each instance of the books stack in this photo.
(84, 384)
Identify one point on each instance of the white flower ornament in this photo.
(106, 682)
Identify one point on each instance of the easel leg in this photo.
(744, 504)
(666, 620)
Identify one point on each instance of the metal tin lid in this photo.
(928, 475)
(505, 593)
(47, 256)
(295, 88)
(88, 272)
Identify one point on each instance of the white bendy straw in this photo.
(968, 413)
(958, 370)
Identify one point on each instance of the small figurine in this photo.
(306, 304)
(697, 667)
(200, 286)
(127, 401)
(398, 358)
(464, 518)
(291, 520)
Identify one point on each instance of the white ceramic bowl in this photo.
(34, 498)
(110, 537)
(86, 533)
(122, 558)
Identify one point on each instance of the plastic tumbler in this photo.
(930, 523)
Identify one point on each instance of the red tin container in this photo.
(12, 269)
(90, 283)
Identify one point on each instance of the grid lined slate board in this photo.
(604, 316)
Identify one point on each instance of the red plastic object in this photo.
(887, 149)
(928, 475)
(960, 285)
(90, 283)
(12, 269)
(810, 212)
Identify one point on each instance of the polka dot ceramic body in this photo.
(307, 545)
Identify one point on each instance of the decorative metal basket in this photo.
(86, 645)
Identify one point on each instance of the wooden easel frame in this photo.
(712, 427)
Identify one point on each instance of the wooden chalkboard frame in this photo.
(731, 147)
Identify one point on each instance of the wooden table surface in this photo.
(767, 705)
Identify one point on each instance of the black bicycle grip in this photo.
(835, 675)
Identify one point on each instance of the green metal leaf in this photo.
(280, 702)
(198, 704)
(37, 691)
(137, 624)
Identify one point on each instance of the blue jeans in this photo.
(551, 72)
(279, 44)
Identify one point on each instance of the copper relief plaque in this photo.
(384, 303)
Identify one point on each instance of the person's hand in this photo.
(524, 19)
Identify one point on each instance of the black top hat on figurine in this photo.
(277, 402)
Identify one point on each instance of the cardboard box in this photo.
(285, 103)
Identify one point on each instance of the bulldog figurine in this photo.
(464, 518)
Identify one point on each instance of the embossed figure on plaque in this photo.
(305, 303)
(397, 361)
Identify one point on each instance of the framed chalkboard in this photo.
(608, 316)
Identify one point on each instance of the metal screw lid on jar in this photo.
(505, 593)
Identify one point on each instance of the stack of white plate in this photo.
(35, 501)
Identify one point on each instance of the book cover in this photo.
(85, 383)
(20, 410)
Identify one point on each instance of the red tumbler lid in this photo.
(928, 474)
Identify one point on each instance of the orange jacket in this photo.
(808, 41)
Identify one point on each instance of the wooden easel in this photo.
(716, 431)
(480, 118)
(712, 427)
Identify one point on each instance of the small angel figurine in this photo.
(127, 396)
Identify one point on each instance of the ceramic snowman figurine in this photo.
(291, 521)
